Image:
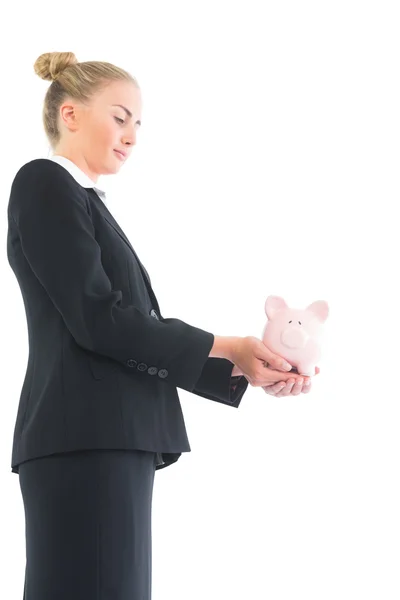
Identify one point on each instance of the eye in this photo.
(119, 120)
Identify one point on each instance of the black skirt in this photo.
(88, 525)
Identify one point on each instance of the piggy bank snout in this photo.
(294, 337)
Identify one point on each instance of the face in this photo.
(91, 134)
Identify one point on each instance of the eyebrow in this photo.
(128, 112)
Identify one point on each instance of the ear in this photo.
(273, 304)
(320, 308)
(70, 116)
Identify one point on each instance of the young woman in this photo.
(99, 410)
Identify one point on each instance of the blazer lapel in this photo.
(122, 235)
(118, 229)
(111, 221)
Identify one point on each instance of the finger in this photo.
(287, 389)
(269, 384)
(304, 389)
(282, 377)
(298, 386)
(283, 392)
(261, 381)
(301, 387)
(273, 361)
(275, 388)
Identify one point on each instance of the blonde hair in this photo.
(72, 79)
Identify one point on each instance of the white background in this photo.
(267, 163)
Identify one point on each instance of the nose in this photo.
(294, 337)
(128, 141)
(130, 134)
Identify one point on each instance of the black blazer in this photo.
(104, 365)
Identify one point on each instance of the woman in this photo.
(99, 410)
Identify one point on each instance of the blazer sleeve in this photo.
(216, 382)
(57, 237)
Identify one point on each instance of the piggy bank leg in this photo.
(306, 369)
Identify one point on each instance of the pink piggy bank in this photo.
(295, 334)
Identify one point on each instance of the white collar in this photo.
(77, 173)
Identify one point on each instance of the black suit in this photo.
(104, 365)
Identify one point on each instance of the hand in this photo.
(287, 388)
(255, 361)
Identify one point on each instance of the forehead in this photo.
(124, 93)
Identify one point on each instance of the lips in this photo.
(120, 152)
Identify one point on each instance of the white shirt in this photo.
(77, 173)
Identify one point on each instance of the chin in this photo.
(118, 162)
(115, 165)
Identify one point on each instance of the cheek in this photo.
(107, 137)
(103, 136)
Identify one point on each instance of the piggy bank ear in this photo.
(320, 308)
(273, 304)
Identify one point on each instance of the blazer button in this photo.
(162, 373)
(154, 314)
(152, 370)
(131, 362)
(142, 367)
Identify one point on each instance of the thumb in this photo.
(274, 361)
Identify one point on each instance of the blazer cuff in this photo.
(216, 382)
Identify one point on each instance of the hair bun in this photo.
(50, 65)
